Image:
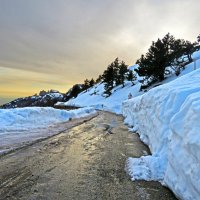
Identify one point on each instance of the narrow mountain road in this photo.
(83, 163)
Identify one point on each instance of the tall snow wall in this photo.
(167, 119)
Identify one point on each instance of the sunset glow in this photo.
(54, 44)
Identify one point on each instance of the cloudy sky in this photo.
(54, 44)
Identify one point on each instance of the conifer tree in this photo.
(76, 89)
(188, 50)
(86, 84)
(108, 79)
(131, 77)
(114, 75)
(99, 79)
(164, 53)
(122, 73)
(91, 83)
(153, 64)
(198, 38)
(116, 66)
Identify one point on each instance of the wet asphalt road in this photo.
(83, 163)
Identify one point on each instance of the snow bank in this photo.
(167, 119)
(28, 118)
(21, 125)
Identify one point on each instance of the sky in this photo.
(53, 44)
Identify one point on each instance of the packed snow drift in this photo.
(167, 119)
(22, 125)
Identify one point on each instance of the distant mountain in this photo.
(43, 99)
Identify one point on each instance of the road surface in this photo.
(85, 162)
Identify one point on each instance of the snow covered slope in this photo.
(21, 125)
(167, 119)
(94, 97)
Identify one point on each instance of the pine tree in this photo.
(108, 79)
(164, 53)
(86, 84)
(154, 63)
(91, 83)
(99, 79)
(116, 67)
(131, 77)
(198, 38)
(76, 89)
(189, 48)
(122, 73)
(197, 47)
(114, 75)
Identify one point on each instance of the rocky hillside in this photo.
(43, 99)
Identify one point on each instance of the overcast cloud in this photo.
(56, 43)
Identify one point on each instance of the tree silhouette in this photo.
(131, 77)
(114, 75)
(86, 84)
(76, 89)
(108, 79)
(122, 70)
(91, 82)
(164, 53)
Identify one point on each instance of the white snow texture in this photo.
(20, 125)
(167, 119)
